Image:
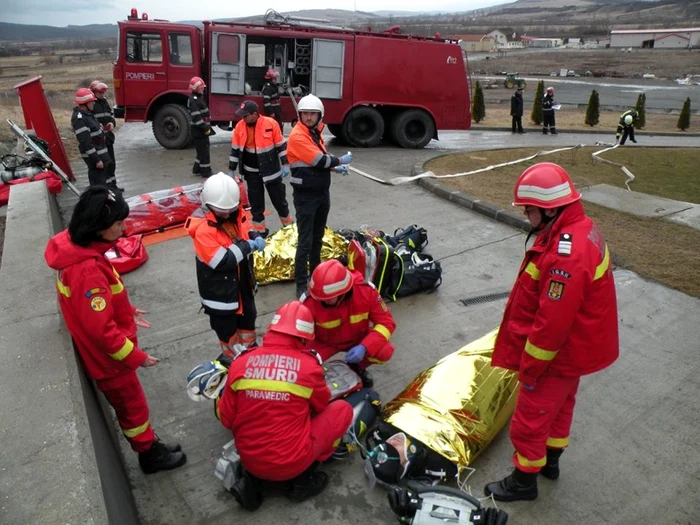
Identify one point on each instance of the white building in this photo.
(682, 38)
(506, 39)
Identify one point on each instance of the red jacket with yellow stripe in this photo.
(361, 318)
(271, 393)
(95, 306)
(269, 154)
(561, 317)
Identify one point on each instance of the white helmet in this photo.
(311, 103)
(629, 119)
(206, 381)
(221, 192)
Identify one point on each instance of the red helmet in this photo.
(545, 185)
(270, 74)
(98, 86)
(83, 96)
(196, 83)
(295, 319)
(330, 279)
(550, 89)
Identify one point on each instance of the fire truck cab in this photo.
(374, 86)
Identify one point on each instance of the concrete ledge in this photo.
(467, 201)
(49, 472)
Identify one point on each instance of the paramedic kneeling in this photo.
(276, 403)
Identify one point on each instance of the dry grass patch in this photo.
(655, 248)
(573, 119)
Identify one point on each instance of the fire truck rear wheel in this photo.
(335, 129)
(171, 126)
(363, 127)
(412, 128)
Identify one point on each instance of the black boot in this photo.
(161, 457)
(367, 380)
(544, 131)
(554, 131)
(518, 486)
(551, 469)
(307, 485)
(246, 491)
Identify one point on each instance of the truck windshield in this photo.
(143, 47)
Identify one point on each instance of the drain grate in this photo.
(481, 299)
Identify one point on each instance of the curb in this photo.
(589, 131)
(472, 203)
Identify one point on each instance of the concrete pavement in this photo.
(634, 442)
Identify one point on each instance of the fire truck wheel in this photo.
(363, 127)
(171, 126)
(413, 128)
(335, 129)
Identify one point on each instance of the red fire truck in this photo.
(374, 85)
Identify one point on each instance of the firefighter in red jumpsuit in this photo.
(559, 324)
(102, 321)
(276, 403)
(351, 317)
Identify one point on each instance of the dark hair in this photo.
(98, 208)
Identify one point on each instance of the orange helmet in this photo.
(330, 279)
(83, 96)
(295, 319)
(270, 74)
(98, 86)
(196, 83)
(545, 185)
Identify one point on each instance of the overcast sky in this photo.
(83, 12)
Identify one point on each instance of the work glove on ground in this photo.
(356, 354)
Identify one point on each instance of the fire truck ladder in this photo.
(272, 17)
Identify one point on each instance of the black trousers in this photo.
(256, 195)
(517, 123)
(202, 163)
(311, 212)
(627, 131)
(110, 151)
(226, 326)
(101, 177)
(549, 119)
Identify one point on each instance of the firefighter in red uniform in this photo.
(261, 150)
(351, 317)
(102, 321)
(224, 247)
(560, 323)
(276, 403)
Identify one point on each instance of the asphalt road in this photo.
(613, 92)
(634, 442)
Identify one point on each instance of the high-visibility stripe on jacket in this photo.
(199, 112)
(223, 260)
(271, 392)
(361, 318)
(102, 111)
(270, 152)
(91, 139)
(96, 307)
(310, 162)
(561, 316)
(621, 125)
(271, 98)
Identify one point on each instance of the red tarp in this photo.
(53, 182)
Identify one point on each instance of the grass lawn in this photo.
(654, 248)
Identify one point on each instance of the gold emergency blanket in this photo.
(276, 262)
(457, 406)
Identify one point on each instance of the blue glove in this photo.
(342, 169)
(355, 354)
(285, 171)
(260, 243)
(346, 159)
(232, 174)
(253, 245)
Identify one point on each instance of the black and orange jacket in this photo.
(267, 156)
(222, 256)
(310, 162)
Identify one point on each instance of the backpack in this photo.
(417, 272)
(413, 237)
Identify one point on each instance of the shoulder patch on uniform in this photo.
(565, 240)
(95, 291)
(560, 273)
(555, 290)
(80, 115)
(194, 98)
(382, 304)
(98, 303)
(315, 354)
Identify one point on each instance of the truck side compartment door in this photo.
(327, 68)
(227, 64)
